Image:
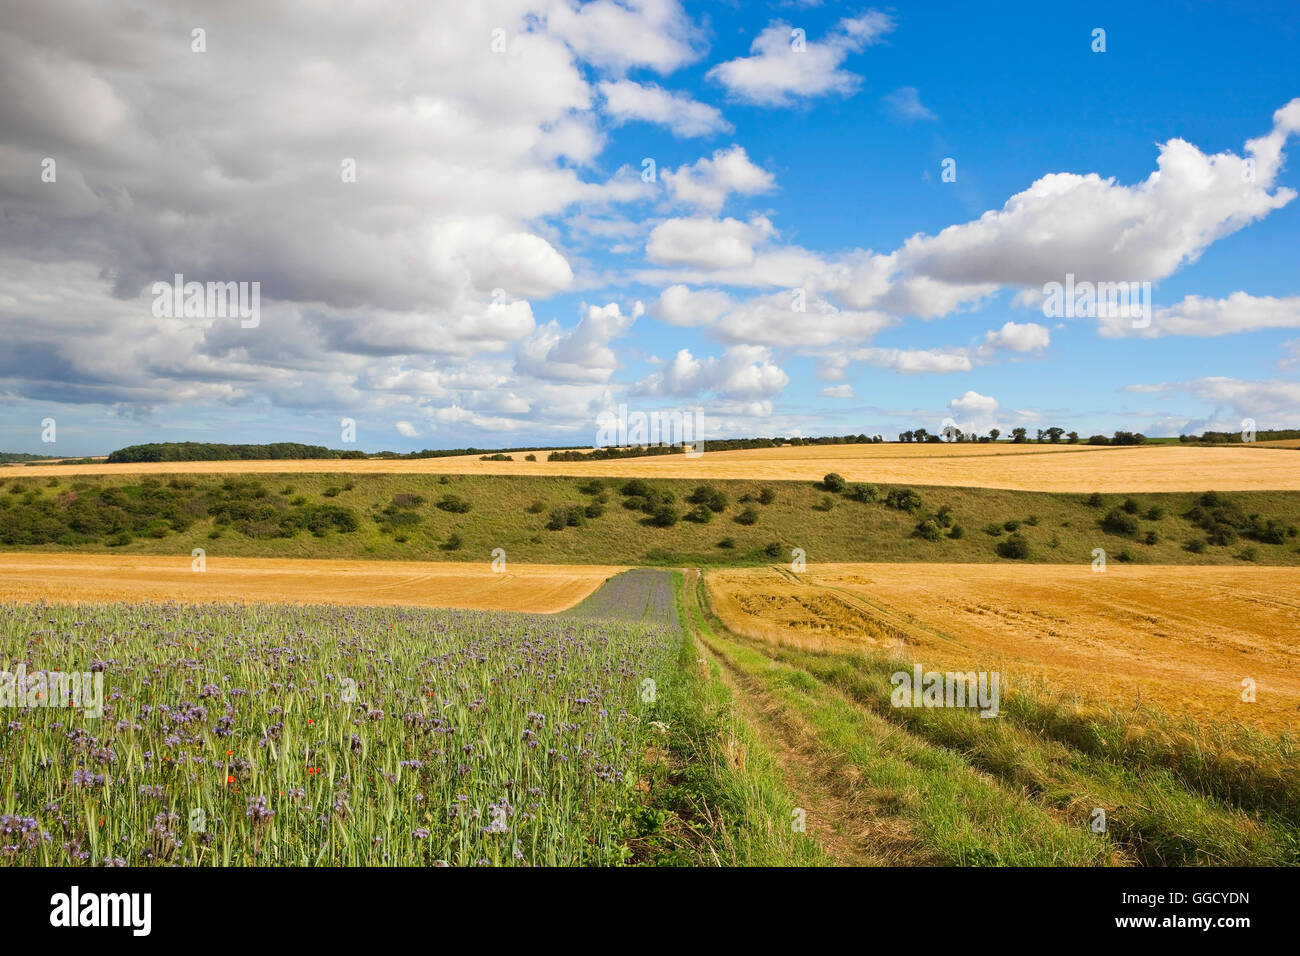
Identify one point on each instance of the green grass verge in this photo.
(702, 807)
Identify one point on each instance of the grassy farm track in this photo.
(69, 578)
(1026, 467)
(1024, 788)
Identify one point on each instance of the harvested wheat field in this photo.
(1179, 638)
(1027, 467)
(76, 578)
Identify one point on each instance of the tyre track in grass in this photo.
(838, 816)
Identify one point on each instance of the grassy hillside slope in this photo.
(589, 521)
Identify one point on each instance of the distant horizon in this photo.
(1003, 438)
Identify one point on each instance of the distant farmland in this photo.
(1025, 467)
(76, 578)
(1178, 638)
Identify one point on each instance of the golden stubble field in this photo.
(84, 578)
(1027, 467)
(1179, 638)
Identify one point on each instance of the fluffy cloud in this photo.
(773, 320)
(679, 305)
(709, 181)
(1270, 403)
(1018, 337)
(706, 243)
(838, 391)
(974, 412)
(626, 101)
(743, 373)
(1099, 230)
(915, 360)
(655, 34)
(582, 354)
(1204, 317)
(784, 68)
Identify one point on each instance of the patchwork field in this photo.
(98, 578)
(1027, 467)
(1180, 638)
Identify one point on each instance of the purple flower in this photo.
(258, 812)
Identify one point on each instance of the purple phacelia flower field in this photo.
(261, 735)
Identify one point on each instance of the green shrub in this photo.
(772, 549)
(929, 530)
(453, 542)
(1195, 546)
(1222, 534)
(1131, 506)
(569, 516)
(1014, 547)
(1155, 513)
(1152, 538)
(708, 496)
(536, 508)
(747, 517)
(638, 488)
(1119, 522)
(1095, 500)
(665, 516)
(956, 531)
(834, 482)
(700, 514)
(728, 543)
(766, 496)
(454, 504)
(903, 499)
(1011, 525)
(863, 492)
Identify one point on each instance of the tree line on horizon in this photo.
(287, 451)
(1020, 436)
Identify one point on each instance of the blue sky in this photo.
(500, 271)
